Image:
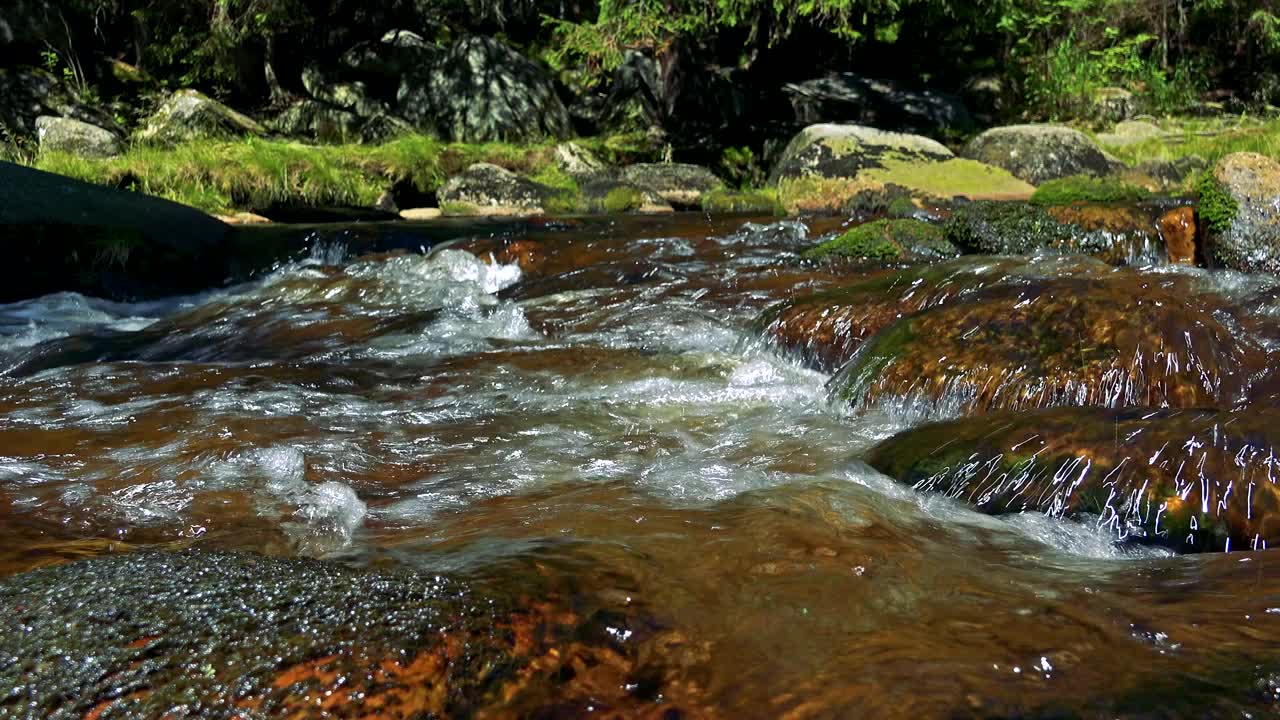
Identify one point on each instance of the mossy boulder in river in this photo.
(1190, 479)
(1038, 153)
(680, 184)
(486, 189)
(203, 634)
(1240, 210)
(888, 241)
(837, 168)
(1119, 340)
(1114, 234)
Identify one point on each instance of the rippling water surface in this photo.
(592, 409)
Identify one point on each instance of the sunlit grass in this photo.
(1210, 139)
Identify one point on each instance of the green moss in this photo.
(997, 228)
(1088, 189)
(949, 178)
(763, 201)
(623, 199)
(887, 240)
(1216, 207)
(901, 207)
(455, 209)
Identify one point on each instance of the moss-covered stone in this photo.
(1190, 480)
(761, 202)
(828, 168)
(996, 228)
(1239, 207)
(888, 240)
(1088, 189)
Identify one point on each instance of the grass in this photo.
(254, 174)
(1209, 139)
(1087, 189)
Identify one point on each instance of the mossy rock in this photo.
(831, 168)
(138, 635)
(996, 228)
(1190, 480)
(191, 115)
(1239, 208)
(1088, 189)
(604, 194)
(1115, 340)
(1038, 153)
(888, 240)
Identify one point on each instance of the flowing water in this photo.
(590, 413)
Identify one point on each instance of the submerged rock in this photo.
(1036, 153)
(825, 329)
(191, 115)
(1240, 209)
(69, 135)
(1115, 341)
(1190, 480)
(834, 168)
(213, 634)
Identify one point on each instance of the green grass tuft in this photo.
(1088, 189)
(762, 202)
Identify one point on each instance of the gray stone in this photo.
(1036, 153)
(679, 184)
(485, 189)
(1249, 240)
(577, 161)
(28, 93)
(482, 90)
(604, 194)
(318, 120)
(73, 136)
(191, 115)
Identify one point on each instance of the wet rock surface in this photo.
(1111, 341)
(221, 634)
(1191, 480)
(1116, 235)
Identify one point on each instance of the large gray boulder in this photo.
(482, 90)
(69, 135)
(1037, 153)
(1240, 210)
(64, 234)
(485, 189)
(831, 168)
(850, 98)
(191, 115)
(680, 184)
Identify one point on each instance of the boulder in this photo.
(70, 235)
(1188, 480)
(576, 161)
(29, 93)
(397, 53)
(318, 120)
(1036, 153)
(482, 90)
(1240, 210)
(191, 115)
(850, 98)
(485, 189)
(843, 168)
(679, 184)
(1113, 104)
(78, 138)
